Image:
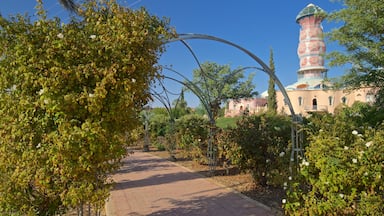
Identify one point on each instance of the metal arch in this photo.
(296, 133)
(265, 68)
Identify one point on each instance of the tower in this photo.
(311, 48)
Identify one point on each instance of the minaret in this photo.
(311, 47)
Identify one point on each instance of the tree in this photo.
(180, 106)
(69, 93)
(363, 38)
(272, 104)
(215, 84)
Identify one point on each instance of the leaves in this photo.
(67, 100)
(363, 39)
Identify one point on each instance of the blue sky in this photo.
(255, 25)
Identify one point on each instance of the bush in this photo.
(69, 95)
(259, 144)
(192, 137)
(343, 169)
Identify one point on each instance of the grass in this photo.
(224, 122)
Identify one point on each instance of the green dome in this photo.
(310, 10)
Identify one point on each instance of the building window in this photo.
(344, 100)
(300, 101)
(314, 104)
(330, 100)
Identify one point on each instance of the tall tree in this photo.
(68, 95)
(272, 104)
(214, 84)
(363, 39)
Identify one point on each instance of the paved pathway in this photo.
(149, 185)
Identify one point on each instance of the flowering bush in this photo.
(343, 170)
(259, 144)
(192, 136)
(69, 94)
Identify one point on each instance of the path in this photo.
(149, 185)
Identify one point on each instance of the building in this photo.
(311, 92)
(245, 106)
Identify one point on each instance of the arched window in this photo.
(330, 100)
(314, 104)
(344, 100)
(300, 101)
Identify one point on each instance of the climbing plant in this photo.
(69, 92)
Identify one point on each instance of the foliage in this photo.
(227, 122)
(259, 144)
(69, 93)
(159, 124)
(218, 83)
(272, 103)
(192, 136)
(362, 37)
(180, 106)
(342, 171)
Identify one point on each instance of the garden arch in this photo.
(296, 134)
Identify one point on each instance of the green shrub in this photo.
(192, 137)
(343, 169)
(259, 144)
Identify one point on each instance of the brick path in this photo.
(149, 185)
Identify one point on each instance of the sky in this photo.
(256, 25)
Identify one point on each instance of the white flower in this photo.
(283, 201)
(282, 154)
(368, 144)
(276, 128)
(305, 163)
(321, 130)
(366, 174)
(46, 101)
(289, 178)
(91, 95)
(341, 195)
(92, 36)
(354, 132)
(346, 147)
(359, 135)
(133, 80)
(41, 91)
(60, 35)
(354, 160)
(199, 140)
(267, 161)
(38, 145)
(285, 184)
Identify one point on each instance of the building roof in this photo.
(310, 10)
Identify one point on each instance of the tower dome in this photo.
(310, 10)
